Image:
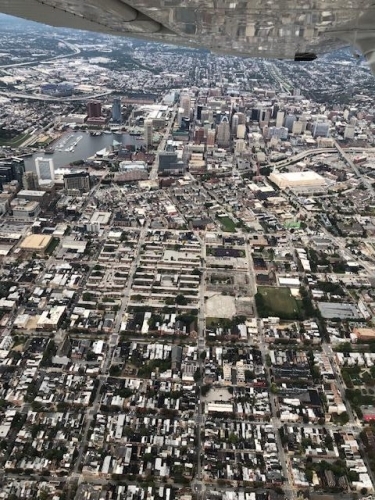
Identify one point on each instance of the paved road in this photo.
(354, 425)
(75, 51)
(327, 349)
(42, 97)
(198, 484)
(163, 142)
(288, 486)
(108, 358)
(355, 169)
(132, 270)
(318, 151)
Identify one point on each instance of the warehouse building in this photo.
(306, 181)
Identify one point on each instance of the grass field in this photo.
(227, 224)
(279, 302)
(15, 142)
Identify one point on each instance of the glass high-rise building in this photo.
(116, 110)
(45, 169)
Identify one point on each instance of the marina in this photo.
(77, 146)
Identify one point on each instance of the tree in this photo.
(249, 375)
(205, 389)
(197, 375)
(87, 296)
(181, 300)
(233, 438)
(344, 418)
(115, 371)
(43, 494)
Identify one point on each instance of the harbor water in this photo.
(75, 146)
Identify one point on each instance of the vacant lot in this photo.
(220, 306)
(227, 224)
(272, 301)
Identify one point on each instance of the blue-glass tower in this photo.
(116, 110)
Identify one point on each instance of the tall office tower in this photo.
(199, 135)
(206, 127)
(77, 180)
(199, 112)
(235, 121)
(320, 129)
(148, 133)
(240, 146)
(94, 109)
(30, 181)
(116, 110)
(241, 118)
(241, 131)
(346, 114)
(265, 116)
(5, 174)
(185, 124)
(204, 115)
(180, 115)
(349, 132)
(280, 119)
(297, 127)
(275, 110)
(45, 169)
(12, 170)
(278, 133)
(167, 161)
(223, 133)
(255, 114)
(186, 105)
(18, 168)
(211, 138)
(303, 120)
(289, 120)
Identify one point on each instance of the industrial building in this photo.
(36, 242)
(51, 320)
(308, 181)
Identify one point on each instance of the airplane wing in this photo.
(290, 29)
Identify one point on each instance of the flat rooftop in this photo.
(330, 310)
(38, 242)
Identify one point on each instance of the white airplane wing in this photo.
(291, 29)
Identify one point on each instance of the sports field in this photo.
(273, 301)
